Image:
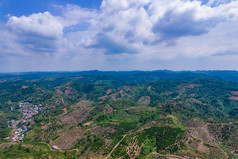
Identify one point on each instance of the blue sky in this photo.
(59, 35)
(27, 7)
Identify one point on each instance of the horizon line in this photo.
(61, 71)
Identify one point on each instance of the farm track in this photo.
(116, 146)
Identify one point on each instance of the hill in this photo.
(137, 114)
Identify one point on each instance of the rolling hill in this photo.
(137, 114)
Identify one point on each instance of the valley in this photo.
(95, 114)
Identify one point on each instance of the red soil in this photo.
(234, 93)
(234, 98)
(145, 100)
(181, 85)
(103, 97)
(109, 91)
(193, 85)
(80, 77)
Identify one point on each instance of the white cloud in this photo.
(127, 30)
(41, 24)
(37, 33)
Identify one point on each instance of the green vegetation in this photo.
(4, 130)
(128, 114)
(161, 139)
(24, 151)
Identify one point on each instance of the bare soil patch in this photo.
(108, 109)
(201, 147)
(109, 91)
(82, 104)
(24, 87)
(65, 111)
(199, 130)
(68, 139)
(201, 143)
(234, 98)
(225, 131)
(193, 85)
(114, 96)
(70, 91)
(183, 88)
(88, 123)
(127, 88)
(144, 100)
(76, 117)
(123, 93)
(58, 91)
(181, 85)
(196, 101)
(103, 97)
(234, 93)
(102, 129)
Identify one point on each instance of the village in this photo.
(21, 126)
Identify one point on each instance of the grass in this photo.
(119, 117)
(43, 146)
(176, 123)
(55, 137)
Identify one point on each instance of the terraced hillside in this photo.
(159, 114)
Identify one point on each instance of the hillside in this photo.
(138, 114)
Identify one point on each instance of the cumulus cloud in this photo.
(126, 30)
(37, 32)
(41, 24)
(146, 23)
(111, 46)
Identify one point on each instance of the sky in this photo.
(113, 35)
